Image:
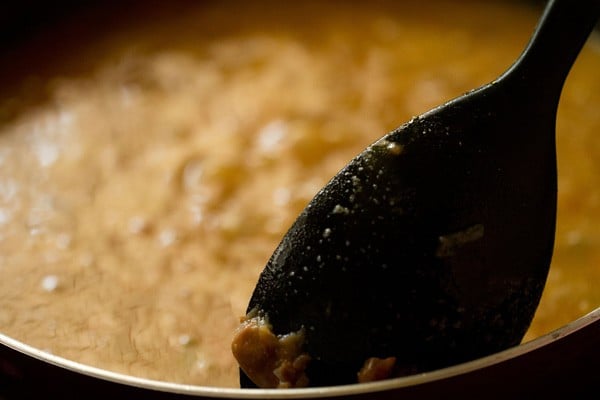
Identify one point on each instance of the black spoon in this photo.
(433, 245)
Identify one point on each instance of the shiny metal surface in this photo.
(566, 361)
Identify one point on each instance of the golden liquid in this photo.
(143, 193)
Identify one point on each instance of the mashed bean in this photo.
(140, 199)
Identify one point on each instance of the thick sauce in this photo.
(140, 199)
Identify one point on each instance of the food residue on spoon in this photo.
(269, 360)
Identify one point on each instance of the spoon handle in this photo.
(558, 38)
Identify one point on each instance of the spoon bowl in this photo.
(433, 245)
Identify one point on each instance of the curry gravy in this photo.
(143, 192)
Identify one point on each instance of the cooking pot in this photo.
(563, 362)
